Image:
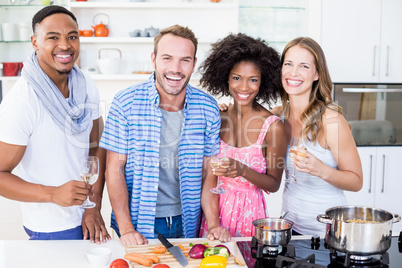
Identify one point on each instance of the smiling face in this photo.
(244, 82)
(174, 63)
(298, 71)
(56, 43)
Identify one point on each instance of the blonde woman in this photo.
(331, 163)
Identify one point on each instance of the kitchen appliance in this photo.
(373, 112)
(313, 252)
(358, 230)
(273, 231)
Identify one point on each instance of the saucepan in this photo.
(358, 230)
(273, 231)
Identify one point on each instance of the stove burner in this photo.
(352, 260)
(262, 251)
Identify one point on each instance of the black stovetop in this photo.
(317, 255)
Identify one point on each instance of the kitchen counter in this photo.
(61, 253)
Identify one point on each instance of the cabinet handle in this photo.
(383, 173)
(374, 51)
(371, 170)
(387, 69)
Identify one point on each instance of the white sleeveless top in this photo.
(311, 195)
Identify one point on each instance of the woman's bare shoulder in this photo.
(276, 110)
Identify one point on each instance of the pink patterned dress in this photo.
(243, 202)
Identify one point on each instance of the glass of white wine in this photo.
(295, 143)
(89, 174)
(219, 161)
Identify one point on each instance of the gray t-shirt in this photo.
(169, 201)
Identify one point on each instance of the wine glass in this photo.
(295, 143)
(219, 161)
(89, 174)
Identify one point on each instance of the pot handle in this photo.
(324, 218)
(397, 218)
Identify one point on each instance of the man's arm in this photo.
(118, 195)
(13, 187)
(210, 204)
(92, 222)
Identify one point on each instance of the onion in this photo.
(197, 251)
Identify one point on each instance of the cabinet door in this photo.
(351, 39)
(365, 197)
(389, 180)
(391, 43)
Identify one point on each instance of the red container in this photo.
(12, 68)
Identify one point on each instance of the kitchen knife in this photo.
(175, 250)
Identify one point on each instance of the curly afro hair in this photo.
(235, 48)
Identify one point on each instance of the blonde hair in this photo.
(320, 97)
(177, 30)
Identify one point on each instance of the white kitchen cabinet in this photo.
(363, 46)
(382, 182)
(125, 16)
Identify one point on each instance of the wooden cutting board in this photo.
(167, 257)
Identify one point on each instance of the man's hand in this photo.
(132, 238)
(71, 193)
(220, 233)
(93, 226)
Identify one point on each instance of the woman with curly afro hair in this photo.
(252, 139)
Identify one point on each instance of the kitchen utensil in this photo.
(99, 256)
(273, 231)
(24, 31)
(87, 33)
(235, 257)
(10, 31)
(100, 29)
(358, 238)
(109, 65)
(12, 68)
(151, 31)
(175, 250)
(283, 215)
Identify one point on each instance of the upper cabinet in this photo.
(363, 46)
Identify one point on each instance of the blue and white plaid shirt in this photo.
(133, 128)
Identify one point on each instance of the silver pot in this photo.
(273, 231)
(358, 238)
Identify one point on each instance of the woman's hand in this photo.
(231, 169)
(306, 162)
(223, 107)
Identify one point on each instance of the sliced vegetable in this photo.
(197, 251)
(138, 258)
(214, 261)
(191, 245)
(221, 251)
(159, 250)
(224, 247)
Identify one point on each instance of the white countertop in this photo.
(59, 253)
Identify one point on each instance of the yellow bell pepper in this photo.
(214, 261)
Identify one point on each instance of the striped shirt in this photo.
(133, 128)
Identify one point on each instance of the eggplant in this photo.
(219, 246)
(197, 251)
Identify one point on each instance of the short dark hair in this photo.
(47, 11)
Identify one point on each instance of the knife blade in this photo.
(175, 250)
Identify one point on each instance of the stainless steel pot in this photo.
(273, 231)
(358, 238)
